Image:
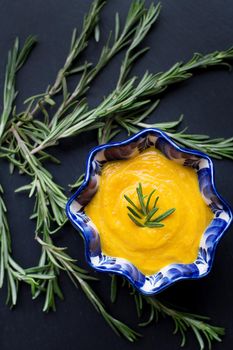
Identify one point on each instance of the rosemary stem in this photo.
(39, 148)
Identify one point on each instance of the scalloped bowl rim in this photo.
(81, 229)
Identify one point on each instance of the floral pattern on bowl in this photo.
(200, 162)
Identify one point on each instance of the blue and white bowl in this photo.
(200, 162)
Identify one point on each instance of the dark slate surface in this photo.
(184, 27)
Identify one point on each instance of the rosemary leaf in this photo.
(164, 215)
(140, 198)
(132, 203)
(156, 201)
(135, 214)
(113, 288)
(148, 200)
(153, 224)
(135, 220)
(151, 214)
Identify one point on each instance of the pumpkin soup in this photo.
(171, 193)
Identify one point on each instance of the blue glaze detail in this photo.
(170, 274)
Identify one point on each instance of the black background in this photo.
(184, 27)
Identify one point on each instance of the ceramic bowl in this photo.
(200, 162)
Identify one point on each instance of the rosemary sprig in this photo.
(143, 215)
(64, 262)
(138, 23)
(129, 98)
(16, 59)
(77, 46)
(131, 55)
(10, 270)
(48, 211)
(50, 200)
(215, 147)
(202, 330)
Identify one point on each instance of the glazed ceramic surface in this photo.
(201, 163)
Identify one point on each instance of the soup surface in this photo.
(150, 249)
